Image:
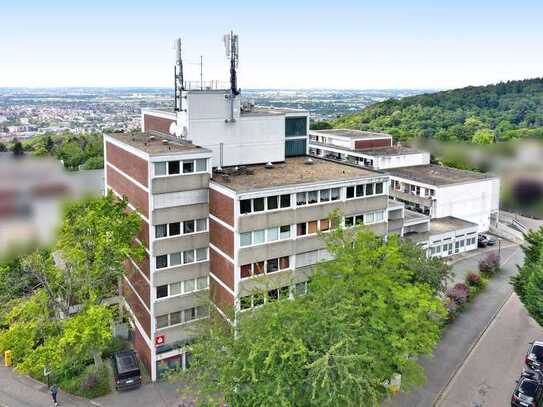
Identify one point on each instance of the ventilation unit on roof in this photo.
(309, 161)
(268, 165)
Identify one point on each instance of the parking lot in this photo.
(487, 377)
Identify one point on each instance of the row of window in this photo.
(275, 202)
(368, 218)
(282, 293)
(312, 227)
(184, 257)
(269, 203)
(448, 247)
(178, 228)
(180, 167)
(264, 235)
(361, 190)
(183, 316)
(182, 287)
(412, 189)
(265, 267)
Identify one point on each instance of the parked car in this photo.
(126, 370)
(482, 241)
(534, 356)
(527, 393)
(490, 241)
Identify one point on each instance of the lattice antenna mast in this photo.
(231, 44)
(178, 75)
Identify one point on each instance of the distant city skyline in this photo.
(284, 45)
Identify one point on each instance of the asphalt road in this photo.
(460, 336)
(487, 378)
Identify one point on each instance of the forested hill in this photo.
(480, 114)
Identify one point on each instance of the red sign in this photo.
(159, 340)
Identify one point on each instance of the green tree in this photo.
(528, 283)
(17, 149)
(94, 163)
(483, 136)
(363, 320)
(3, 148)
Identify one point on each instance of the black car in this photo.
(534, 356)
(528, 393)
(126, 370)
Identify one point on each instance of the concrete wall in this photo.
(397, 161)
(179, 183)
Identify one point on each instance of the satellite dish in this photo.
(171, 130)
(178, 130)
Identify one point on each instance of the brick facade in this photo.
(142, 348)
(220, 296)
(155, 123)
(124, 187)
(221, 207)
(221, 237)
(221, 268)
(128, 163)
(366, 144)
(139, 283)
(137, 308)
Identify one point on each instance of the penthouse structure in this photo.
(231, 203)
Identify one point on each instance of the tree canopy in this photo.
(365, 319)
(511, 109)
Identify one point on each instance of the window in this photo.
(173, 167)
(379, 216)
(325, 195)
(202, 311)
(272, 265)
(201, 283)
(258, 299)
(349, 221)
(301, 288)
(188, 167)
(350, 192)
(175, 318)
(161, 231)
(312, 227)
(201, 165)
(258, 204)
(369, 218)
(176, 288)
(188, 286)
(273, 202)
(312, 197)
(301, 229)
(273, 234)
(379, 188)
(201, 225)
(188, 226)
(175, 228)
(324, 224)
(284, 232)
(189, 314)
(273, 295)
(245, 239)
(245, 206)
(335, 193)
(162, 291)
(259, 236)
(285, 201)
(284, 262)
(161, 168)
(245, 302)
(369, 189)
(188, 256)
(301, 198)
(259, 267)
(175, 259)
(359, 220)
(201, 254)
(360, 190)
(162, 321)
(246, 270)
(161, 261)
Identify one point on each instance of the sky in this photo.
(283, 44)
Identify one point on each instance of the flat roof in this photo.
(156, 144)
(440, 226)
(437, 175)
(271, 111)
(352, 134)
(389, 151)
(293, 171)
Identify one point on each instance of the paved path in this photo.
(487, 378)
(460, 336)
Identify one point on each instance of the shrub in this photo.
(490, 265)
(473, 280)
(452, 309)
(91, 383)
(458, 294)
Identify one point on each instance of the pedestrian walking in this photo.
(54, 393)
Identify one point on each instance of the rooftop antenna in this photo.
(231, 45)
(178, 75)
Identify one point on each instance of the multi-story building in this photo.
(231, 207)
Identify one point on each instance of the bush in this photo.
(452, 309)
(473, 280)
(490, 265)
(91, 383)
(458, 294)
(116, 345)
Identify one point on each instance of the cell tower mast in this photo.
(178, 76)
(231, 45)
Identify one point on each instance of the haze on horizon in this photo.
(307, 44)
